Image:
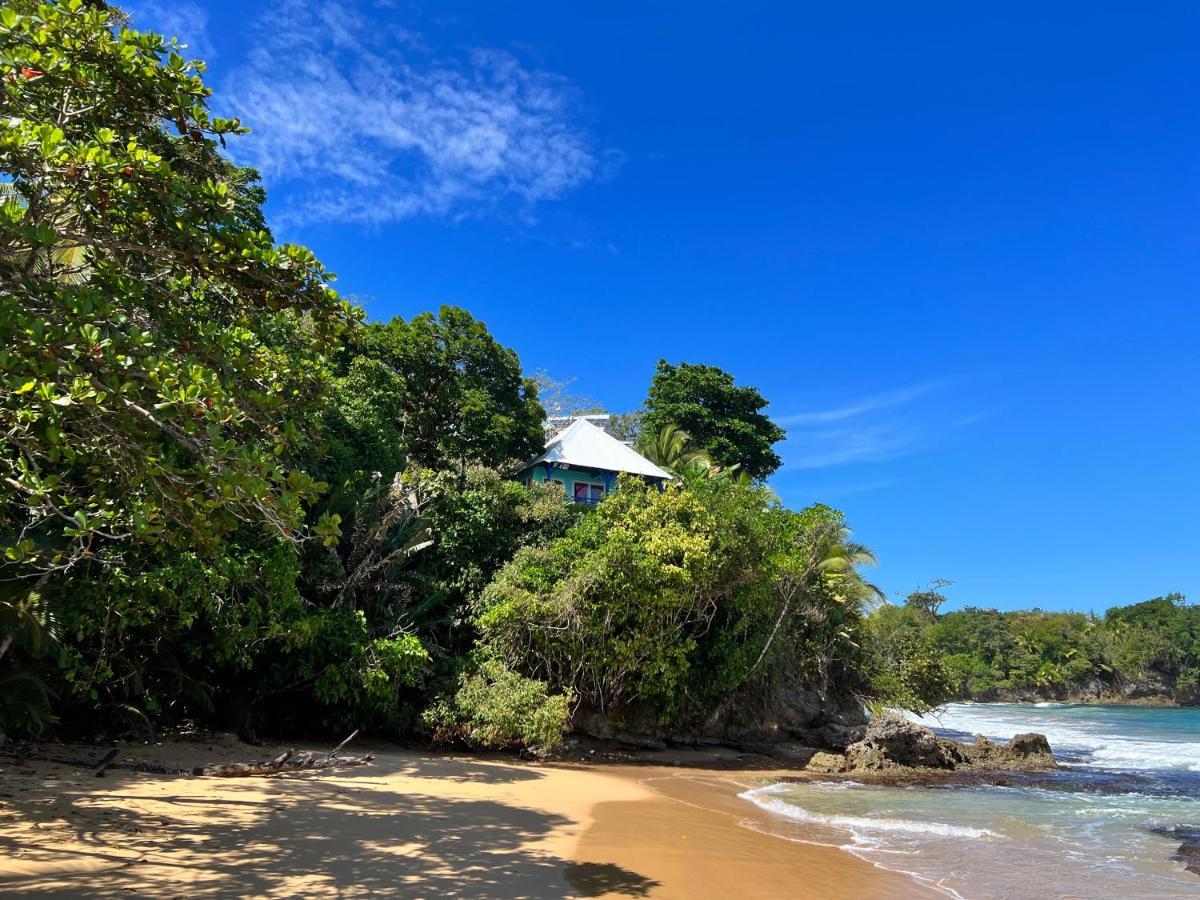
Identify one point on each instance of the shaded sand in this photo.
(410, 825)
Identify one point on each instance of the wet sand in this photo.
(410, 825)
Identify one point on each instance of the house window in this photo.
(586, 492)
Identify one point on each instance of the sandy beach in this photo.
(410, 825)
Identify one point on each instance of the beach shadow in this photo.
(285, 837)
(465, 771)
(598, 879)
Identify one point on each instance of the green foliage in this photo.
(989, 654)
(722, 419)
(664, 606)
(929, 600)
(611, 608)
(670, 448)
(496, 708)
(477, 523)
(457, 396)
(159, 375)
(162, 633)
(904, 667)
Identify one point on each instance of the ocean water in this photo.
(1109, 825)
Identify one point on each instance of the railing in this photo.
(590, 501)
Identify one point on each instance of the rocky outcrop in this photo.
(770, 724)
(1149, 689)
(793, 714)
(892, 743)
(827, 763)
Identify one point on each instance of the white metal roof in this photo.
(583, 444)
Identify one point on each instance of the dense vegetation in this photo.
(1148, 650)
(225, 499)
(724, 420)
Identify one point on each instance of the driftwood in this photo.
(339, 747)
(301, 763)
(107, 761)
(287, 761)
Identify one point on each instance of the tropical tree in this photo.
(929, 600)
(820, 564)
(157, 344)
(724, 420)
(458, 394)
(163, 359)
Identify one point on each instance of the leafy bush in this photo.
(496, 708)
(665, 606)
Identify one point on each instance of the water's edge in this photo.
(1121, 819)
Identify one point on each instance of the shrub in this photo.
(496, 708)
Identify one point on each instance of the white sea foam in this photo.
(1077, 833)
(1082, 742)
(765, 798)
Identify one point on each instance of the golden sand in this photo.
(410, 825)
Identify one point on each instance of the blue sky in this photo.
(955, 245)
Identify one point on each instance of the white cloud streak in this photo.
(361, 123)
(869, 405)
(873, 429)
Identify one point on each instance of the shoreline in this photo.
(724, 846)
(1145, 703)
(410, 824)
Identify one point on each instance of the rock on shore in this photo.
(893, 743)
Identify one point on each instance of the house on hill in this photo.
(586, 461)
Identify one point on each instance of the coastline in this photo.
(1155, 701)
(411, 824)
(696, 837)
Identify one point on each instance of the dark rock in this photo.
(596, 725)
(640, 741)
(891, 741)
(827, 763)
(791, 753)
(1029, 744)
(894, 743)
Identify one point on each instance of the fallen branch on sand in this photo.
(287, 761)
(284, 763)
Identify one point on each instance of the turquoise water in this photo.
(1110, 824)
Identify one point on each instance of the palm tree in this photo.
(669, 449)
(65, 262)
(841, 559)
(829, 560)
(26, 624)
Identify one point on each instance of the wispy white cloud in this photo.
(861, 407)
(360, 122)
(866, 443)
(872, 429)
(174, 18)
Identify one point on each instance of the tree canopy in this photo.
(1145, 649)
(458, 395)
(160, 351)
(723, 419)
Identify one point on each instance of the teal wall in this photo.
(569, 477)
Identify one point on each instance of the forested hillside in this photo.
(1147, 651)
